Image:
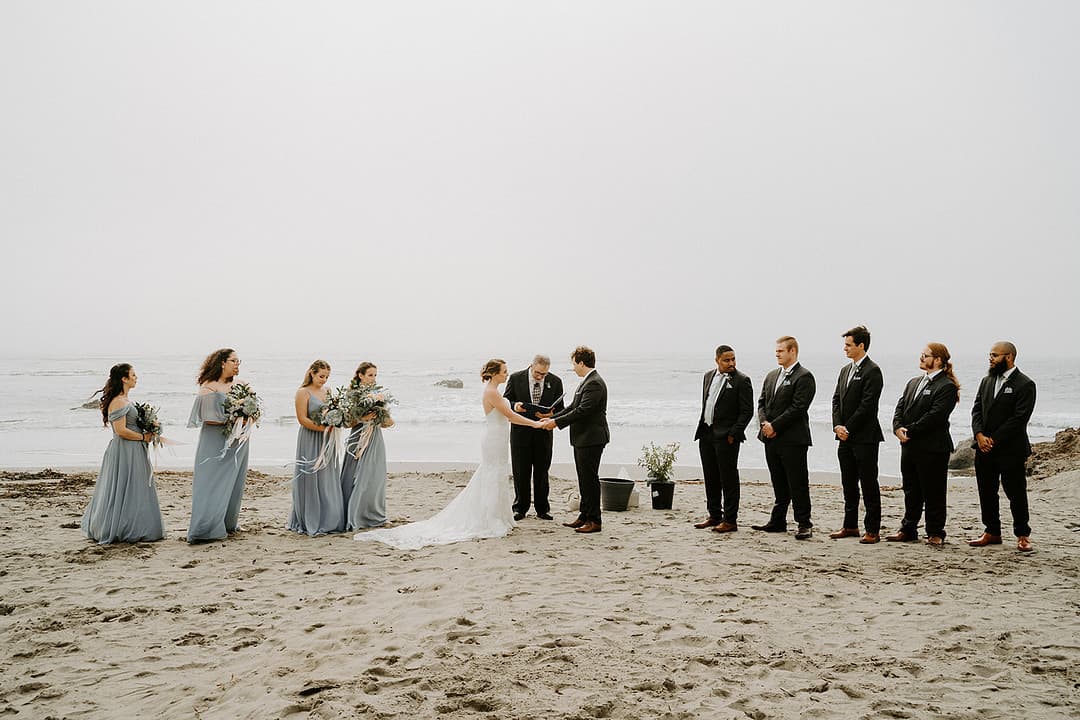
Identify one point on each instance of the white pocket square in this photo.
(925, 392)
(1007, 390)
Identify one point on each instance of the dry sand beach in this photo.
(649, 619)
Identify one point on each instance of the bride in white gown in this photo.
(484, 508)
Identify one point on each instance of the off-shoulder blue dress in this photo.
(218, 483)
(124, 507)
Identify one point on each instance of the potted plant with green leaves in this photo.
(657, 462)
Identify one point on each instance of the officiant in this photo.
(537, 394)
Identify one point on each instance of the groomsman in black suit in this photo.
(727, 405)
(921, 422)
(530, 448)
(999, 419)
(855, 423)
(783, 413)
(587, 417)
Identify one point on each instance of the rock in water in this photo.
(963, 458)
(453, 383)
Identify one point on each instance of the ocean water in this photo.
(654, 398)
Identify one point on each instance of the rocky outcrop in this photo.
(451, 383)
(1057, 456)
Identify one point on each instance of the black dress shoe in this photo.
(519, 516)
(544, 516)
(769, 527)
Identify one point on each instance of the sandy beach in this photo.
(649, 619)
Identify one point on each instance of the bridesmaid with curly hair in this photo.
(124, 507)
(218, 480)
(317, 505)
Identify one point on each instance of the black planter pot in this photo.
(663, 493)
(615, 493)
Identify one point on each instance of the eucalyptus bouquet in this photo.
(361, 400)
(243, 408)
(657, 461)
(148, 422)
(334, 412)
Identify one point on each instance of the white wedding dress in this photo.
(481, 510)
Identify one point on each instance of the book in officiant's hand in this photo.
(534, 409)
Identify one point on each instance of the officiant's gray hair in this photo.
(542, 360)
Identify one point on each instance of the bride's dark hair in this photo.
(491, 369)
(113, 387)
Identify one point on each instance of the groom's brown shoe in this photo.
(576, 524)
(589, 527)
(707, 522)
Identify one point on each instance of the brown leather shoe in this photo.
(589, 527)
(900, 536)
(986, 539)
(870, 539)
(1023, 544)
(935, 540)
(845, 532)
(707, 522)
(576, 524)
(725, 527)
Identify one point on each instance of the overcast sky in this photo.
(385, 176)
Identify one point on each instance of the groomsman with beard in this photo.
(783, 412)
(530, 448)
(727, 405)
(999, 419)
(587, 417)
(855, 423)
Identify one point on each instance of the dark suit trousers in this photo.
(587, 463)
(530, 459)
(720, 465)
(925, 478)
(790, 483)
(859, 468)
(1008, 470)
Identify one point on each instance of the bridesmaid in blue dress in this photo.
(218, 483)
(348, 464)
(317, 505)
(124, 507)
(366, 507)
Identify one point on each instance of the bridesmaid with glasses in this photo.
(218, 480)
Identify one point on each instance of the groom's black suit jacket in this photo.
(587, 413)
(734, 408)
(519, 389)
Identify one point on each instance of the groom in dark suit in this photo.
(587, 418)
(783, 412)
(727, 405)
(530, 448)
(999, 419)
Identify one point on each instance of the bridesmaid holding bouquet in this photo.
(317, 505)
(124, 507)
(366, 493)
(220, 467)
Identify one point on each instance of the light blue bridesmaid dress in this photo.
(317, 505)
(367, 503)
(218, 483)
(124, 507)
(348, 469)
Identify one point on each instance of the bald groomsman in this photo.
(999, 419)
